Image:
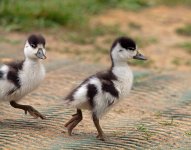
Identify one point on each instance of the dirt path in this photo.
(155, 116)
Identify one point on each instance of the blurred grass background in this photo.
(24, 15)
(70, 22)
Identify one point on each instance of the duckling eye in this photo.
(120, 50)
(131, 48)
(33, 46)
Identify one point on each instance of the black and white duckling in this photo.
(19, 78)
(101, 91)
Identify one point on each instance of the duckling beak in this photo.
(40, 54)
(139, 56)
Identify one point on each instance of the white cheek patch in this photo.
(122, 54)
(132, 53)
(29, 52)
(5, 70)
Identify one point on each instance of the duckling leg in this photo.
(98, 127)
(72, 123)
(33, 112)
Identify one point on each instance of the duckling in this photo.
(103, 90)
(19, 78)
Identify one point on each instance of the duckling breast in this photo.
(31, 77)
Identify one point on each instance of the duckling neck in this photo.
(119, 64)
(122, 71)
(32, 74)
(32, 61)
(33, 67)
(124, 77)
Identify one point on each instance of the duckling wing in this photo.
(9, 79)
(106, 75)
(107, 78)
(16, 65)
(13, 73)
(93, 91)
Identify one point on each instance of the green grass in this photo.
(186, 46)
(143, 42)
(185, 30)
(6, 40)
(142, 128)
(169, 123)
(145, 131)
(174, 2)
(100, 30)
(133, 4)
(100, 49)
(141, 63)
(134, 26)
(188, 133)
(25, 14)
(158, 114)
(79, 38)
(188, 63)
(176, 61)
(89, 35)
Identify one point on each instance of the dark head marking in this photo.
(34, 40)
(125, 42)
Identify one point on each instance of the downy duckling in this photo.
(103, 90)
(19, 78)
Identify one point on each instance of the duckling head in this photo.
(123, 49)
(35, 47)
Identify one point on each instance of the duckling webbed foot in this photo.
(101, 137)
(72, 123)
(33, 112)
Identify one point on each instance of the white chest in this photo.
(31, 76)
(124, 80)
